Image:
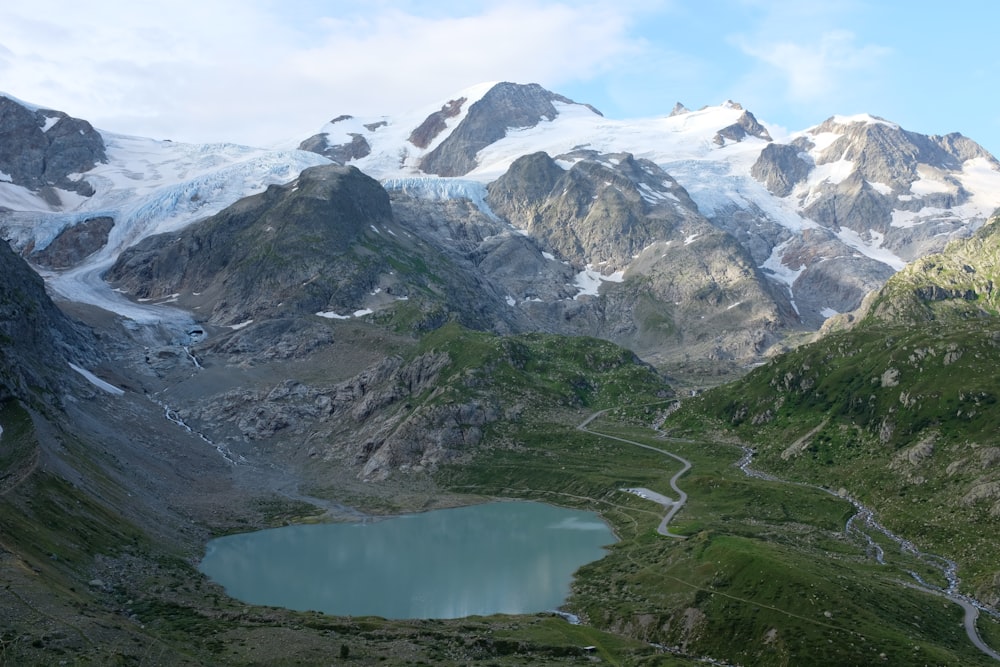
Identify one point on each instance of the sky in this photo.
(270, 72)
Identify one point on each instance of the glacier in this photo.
(437, 188)
(148, 187)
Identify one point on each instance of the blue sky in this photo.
(263, 71)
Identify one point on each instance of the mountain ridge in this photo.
(896, 406)
(879, 226)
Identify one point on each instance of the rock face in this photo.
(745, 126)
(781, 167)
(73, 244)
(45, 149)
(341, 154)
(435, 123)
(36, 339)
(687, 283)
(603, 210)
(506, 105)
(292, 245)
(367, 421)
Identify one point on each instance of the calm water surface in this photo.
(509, 557)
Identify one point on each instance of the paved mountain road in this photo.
(675, 505)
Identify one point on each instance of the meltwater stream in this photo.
(495, 558)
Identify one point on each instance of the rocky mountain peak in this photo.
(280, 248)
(884, 152)
(603, 210)
(505, 106)
(42, 149)
(678, 110)
(745, 126)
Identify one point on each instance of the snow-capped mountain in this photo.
(703, 227)
(829, 212)
(143, 186)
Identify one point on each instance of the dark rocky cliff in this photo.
(36, 340)
(43, 149)
(505, 106)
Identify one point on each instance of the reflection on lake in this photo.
(509, 557)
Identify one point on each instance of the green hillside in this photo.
(900, 411)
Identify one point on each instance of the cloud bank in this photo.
(258, 72)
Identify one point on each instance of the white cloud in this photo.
(419, 58)
(819, 70)
(259, 72)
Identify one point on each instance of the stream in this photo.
(864, 518)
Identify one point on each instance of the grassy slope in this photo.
(766, 576)
(901, 410)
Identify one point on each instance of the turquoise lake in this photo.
(505, 557)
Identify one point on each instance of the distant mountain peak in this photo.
(678, 110)
(505, 106)
(832, 123)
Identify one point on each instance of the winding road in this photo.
(673, 506)
(970, 606)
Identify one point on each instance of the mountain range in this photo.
(198, 339)
(693, 235)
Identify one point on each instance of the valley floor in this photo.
(102, 524)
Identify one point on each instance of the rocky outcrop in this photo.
(73, 244)
(435, 123)
(853, 203)
(780, 167)
(504, 106)
(603, 210)
(837, 283)
(429, 438)
(36, 340)
(357, 147)
(745, 126)
(370, 421)
(44, 149)
(292, 246)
